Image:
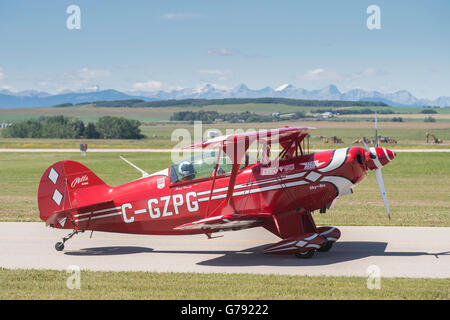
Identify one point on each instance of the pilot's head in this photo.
(186, 170)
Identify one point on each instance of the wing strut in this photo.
(236, 154)
(214, 180)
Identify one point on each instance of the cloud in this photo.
(223, 52)
(86, 73)
(148, 86)
(2, 75)
(94, 88)
(320, 74)
(181, 16)
(6, 87)
(230, 52)
(369, 72)
(216, 72)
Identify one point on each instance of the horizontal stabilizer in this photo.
(63, 218)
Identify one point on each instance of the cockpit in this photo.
(201, 166)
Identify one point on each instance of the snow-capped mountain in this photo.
(26, 101)
(31, 98)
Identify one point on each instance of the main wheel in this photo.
(326, 246)
(305, 255)
(59, 246)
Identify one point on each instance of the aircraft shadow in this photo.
(108, 251)
(341, 252)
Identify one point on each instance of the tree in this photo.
(118, 128)
(298, 115)
(428, 111)
(91, 132)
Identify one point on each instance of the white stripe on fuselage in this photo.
(338, 159)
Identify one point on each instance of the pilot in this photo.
(186, 170)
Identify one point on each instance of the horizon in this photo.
(158, 46)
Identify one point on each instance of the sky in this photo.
(164, 45)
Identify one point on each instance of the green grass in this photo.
(159, 136)
(51, 285)
(418, 187)
(163, 114)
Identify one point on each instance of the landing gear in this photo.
(59, 246)
(305, 255)
(326, 246)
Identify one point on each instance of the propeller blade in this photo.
(371, 155)
(380, 181)
(375, 141)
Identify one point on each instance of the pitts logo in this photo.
(83, 180)
(311, 165)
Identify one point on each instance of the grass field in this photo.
(418, 187)
(159, 135)
(51, 285)
(88, 112)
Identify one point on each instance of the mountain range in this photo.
(30, 98)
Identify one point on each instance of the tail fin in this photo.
(66, 185)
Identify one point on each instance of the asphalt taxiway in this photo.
(396, 251)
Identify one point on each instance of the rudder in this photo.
(68, 184)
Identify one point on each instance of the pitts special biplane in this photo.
(218, 190)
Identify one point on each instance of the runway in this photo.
(396, 251)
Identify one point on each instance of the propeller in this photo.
(371, 155)
(375, 140)
(380, 182)
(378, 173)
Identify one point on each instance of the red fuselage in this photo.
(154, 205)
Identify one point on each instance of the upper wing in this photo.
(280, 135)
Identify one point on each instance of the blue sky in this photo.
(152, 45)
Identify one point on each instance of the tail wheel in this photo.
(59, 246)
(326, 246)
(305, 255)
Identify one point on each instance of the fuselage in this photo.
(155, 205)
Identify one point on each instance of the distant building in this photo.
(286, 115)
(326, 115)
(5, 125)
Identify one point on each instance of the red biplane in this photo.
(221, 189)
